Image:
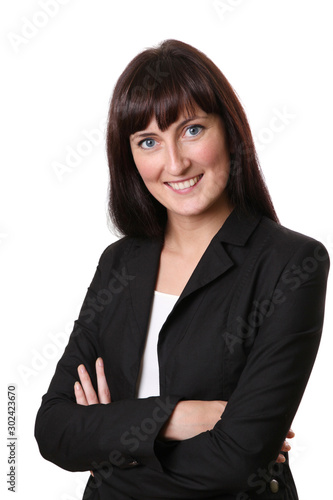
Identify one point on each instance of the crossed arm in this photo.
(188, 419)
(249, 435)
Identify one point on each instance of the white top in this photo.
(149, 378)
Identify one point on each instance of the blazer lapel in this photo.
(214, 262)
(143, 264)
(144, 258)
(236, 230)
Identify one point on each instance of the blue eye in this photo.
(148, 143)
(194, 130)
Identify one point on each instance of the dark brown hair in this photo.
(161, 82)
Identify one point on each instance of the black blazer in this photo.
(245, 329)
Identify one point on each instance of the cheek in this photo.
(146, 169)
(215, 159)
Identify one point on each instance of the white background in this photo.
(58, 72)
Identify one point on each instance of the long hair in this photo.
(161, 82)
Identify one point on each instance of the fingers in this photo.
(290, 434)
(85, 393)
(286, 446)
(280, 459)
(79, 395)
(87, 386)
(102, 385)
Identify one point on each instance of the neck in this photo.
(192, 234)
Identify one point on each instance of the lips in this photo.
(177, 186)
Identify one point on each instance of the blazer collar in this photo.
(238, 227)
(236, 230)
(143, 263)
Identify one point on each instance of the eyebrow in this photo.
(139, 135)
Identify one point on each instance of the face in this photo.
(186, 167)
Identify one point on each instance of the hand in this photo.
(85, 393)
(190, 418)
(286, 447)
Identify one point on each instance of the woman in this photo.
(204, 319)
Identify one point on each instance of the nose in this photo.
(176, 162)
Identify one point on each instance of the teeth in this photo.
(185, 184)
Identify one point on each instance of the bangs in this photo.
(164, 90)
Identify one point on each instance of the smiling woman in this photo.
(190, 373)
(184, 84)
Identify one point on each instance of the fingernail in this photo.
(77, 386)
(288, 446)
(81, 369)
(100, 362)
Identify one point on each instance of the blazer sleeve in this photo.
(78, 438)
(250, 433)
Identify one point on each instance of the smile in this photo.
(178, 186)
